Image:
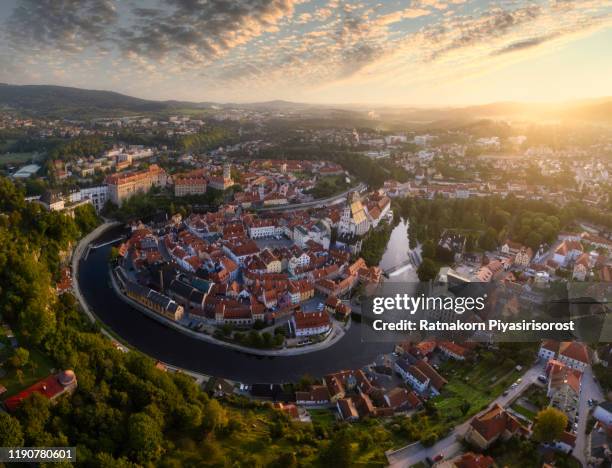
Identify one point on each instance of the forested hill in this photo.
(60, 101)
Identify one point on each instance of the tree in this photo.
(10, 431)
(339, 452)
(144, 438)
(286, 460)
(20, 358)
(428, 270)
(33, 413)
(549, 425)
(488, 241)
(428, 249)
(214, 416)
(189, 416)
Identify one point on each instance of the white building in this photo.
(98, 196)
(310, 323)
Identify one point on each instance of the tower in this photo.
(227, 171)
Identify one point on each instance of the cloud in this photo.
(67, 25)
(463, 32)
(524, 44)
(197, 30)
(397, 16)
(273, 44)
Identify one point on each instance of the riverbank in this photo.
(336, 334)
(77, 255)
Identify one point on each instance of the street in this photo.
(588, 390)
(449, 446)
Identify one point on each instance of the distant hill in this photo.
(75, 103)
(594, 110)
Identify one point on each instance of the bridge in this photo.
(97, 246)
(91, 247)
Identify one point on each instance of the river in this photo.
(175, 348)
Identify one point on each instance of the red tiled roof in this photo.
(495, 422)
(49, 387)
(575, 350)
(473, 460)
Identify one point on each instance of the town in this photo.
(220, 231)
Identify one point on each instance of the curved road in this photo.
(315, 203)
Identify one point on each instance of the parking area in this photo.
(273, 242)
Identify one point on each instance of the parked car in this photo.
(542, 378)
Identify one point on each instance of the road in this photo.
(450, 445)
(589, 389)
(315, 203)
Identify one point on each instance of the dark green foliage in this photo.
(486, 222)
(427, 270)
(11, 434)
(375, 243)
(204, 140)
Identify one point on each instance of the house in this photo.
(566, 442)
(401, 399)
(473, 460)
(288, 408)
(523, 257)
(347, 409)
(316, 395)
(567, 251)
(574, 354)
(453, 350)
(51, 388)
(335, 306)
(548, 350)
(154, 301)
(492, 425)
(347, 381)
(451, 246)
(310, 323)
(437, 382)
(413, 376)
(582, 266)
(603, 413)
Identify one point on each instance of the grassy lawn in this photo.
(474, 384)
(16, 158)
(528, 414)
(324, 417)
(329, 186)
(39, 367)
(536, 396)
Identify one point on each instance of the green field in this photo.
(329, 186)
(17, 158)
(38, 368)
(475, 385)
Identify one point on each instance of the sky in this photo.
(400, 53)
